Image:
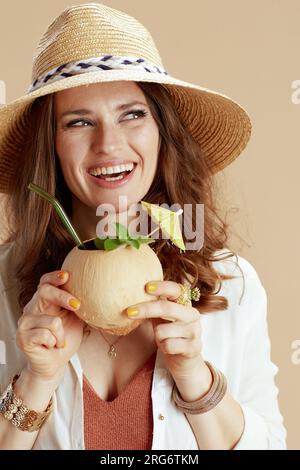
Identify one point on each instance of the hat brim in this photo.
(220, 125)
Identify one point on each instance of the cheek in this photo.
(62, 148)
(148, 141)
(68, 151)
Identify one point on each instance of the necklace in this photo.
(112, 353)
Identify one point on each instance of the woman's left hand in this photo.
(177, 329)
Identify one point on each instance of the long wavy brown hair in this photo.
(183, 176)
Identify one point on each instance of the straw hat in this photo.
(93, 43)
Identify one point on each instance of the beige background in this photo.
(248, 50)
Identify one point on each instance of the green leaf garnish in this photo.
(99, 243)
(123, 238)
(147, 240)
(112, 244)
(134, 243)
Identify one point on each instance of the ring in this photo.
(188, 294)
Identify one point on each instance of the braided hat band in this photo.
(106, 62)
(93, 43)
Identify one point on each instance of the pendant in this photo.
(112, 352)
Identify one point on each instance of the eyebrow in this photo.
(82, 111)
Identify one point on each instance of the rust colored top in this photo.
(125, 423)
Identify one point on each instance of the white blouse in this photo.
(235, 340)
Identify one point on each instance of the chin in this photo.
(121, 202)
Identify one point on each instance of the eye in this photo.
(72, 123)
(137, 112)
(140, 113)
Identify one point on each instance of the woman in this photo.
(166, 386)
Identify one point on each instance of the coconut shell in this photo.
(107, 282)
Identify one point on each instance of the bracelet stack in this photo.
(13, 409)
(209, 400)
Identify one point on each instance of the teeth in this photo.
(114, 178)
(129, 166)
(111, 169)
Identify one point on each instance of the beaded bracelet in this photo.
(209, 400)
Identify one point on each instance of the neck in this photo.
(143, 334)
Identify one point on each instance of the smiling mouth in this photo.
(115, 176)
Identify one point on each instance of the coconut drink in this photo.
(109, 281)
(109, 274)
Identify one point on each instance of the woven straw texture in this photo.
(220, 126)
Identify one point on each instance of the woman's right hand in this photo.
(49, 332)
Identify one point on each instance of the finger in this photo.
(50, 295)
(190, 331)
(56, 278)
(169, 289)
(53, 324)
(37, 337)
(180, 346)
(162, 309)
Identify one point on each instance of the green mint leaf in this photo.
(99, 243)
(147, 240)
(133, 242)
(112, 244)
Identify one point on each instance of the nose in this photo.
(107, 138)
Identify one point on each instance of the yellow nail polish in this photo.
(132, 311)
(61, 274)
(75, 303)
(151, 286)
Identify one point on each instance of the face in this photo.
(94, 135)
